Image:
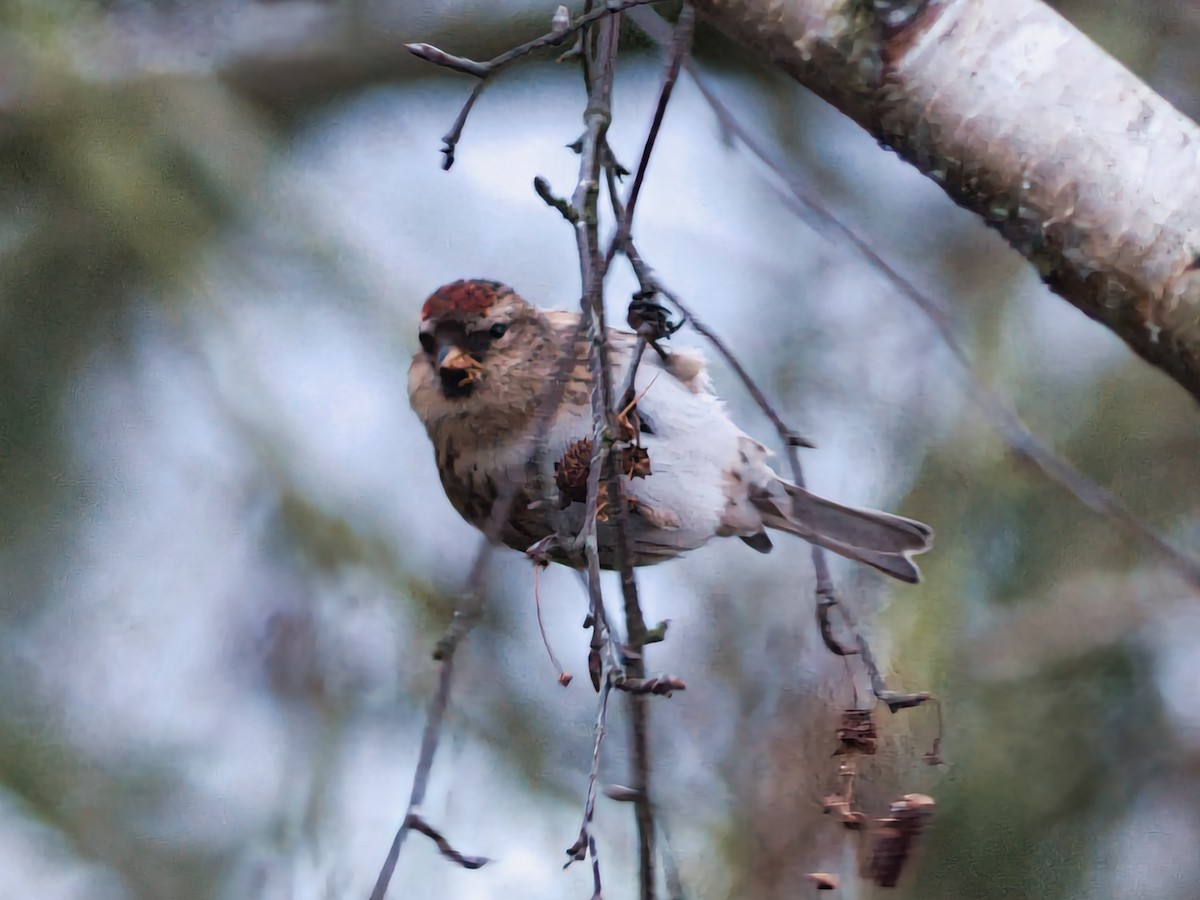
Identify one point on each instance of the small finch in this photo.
(689, 472)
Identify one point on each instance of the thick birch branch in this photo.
(1023, 120)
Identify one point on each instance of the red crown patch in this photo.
(470, 296)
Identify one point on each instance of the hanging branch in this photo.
(585, 200)
(583, 214)
(597, 51)
(585, 844)
(651, 286)
(467, 613)
(827, 598)
(1016, 434)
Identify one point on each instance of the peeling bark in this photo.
(1021, 119)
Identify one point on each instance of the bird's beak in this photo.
(455, 359)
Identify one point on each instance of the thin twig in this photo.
(1003, 418)
(825, 624)
(827, 596)
(597, 117)
(439, 57)
(577, 850)
(597, 891)
(628, 386)
(451, 138)
(467, 612)
(681, 39)
(564, 677)
(429, 742)
(553, 38)
(416, 823)
(560, 32)
(581, 212)
(624, 210)
(542, 188)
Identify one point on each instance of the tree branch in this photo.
(597, 116)
(1024, 121)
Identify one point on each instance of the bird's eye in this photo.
(428, 344)
(497, 330)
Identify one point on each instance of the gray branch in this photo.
(1024, 121)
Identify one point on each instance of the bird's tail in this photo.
(878, 539)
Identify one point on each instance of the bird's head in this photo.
(481, 344)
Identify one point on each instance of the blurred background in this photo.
(225, 555)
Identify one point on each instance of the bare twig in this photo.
(623, 211)
(620, 793)
(432, 54)
(827, 596)
(597, 117)
(598, 60)
(577, 850)
(429, 742)
(824, 606)
(467, 612)
(629, 386)
(597, 890)
(553, 38)
(582, 212)
(560, 32)
(593, 154)
(451, 138)
(416, 823)
(1003, 418)
(542, 188)
(681, 39)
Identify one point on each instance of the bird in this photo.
(690, 474)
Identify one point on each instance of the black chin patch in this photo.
(455, 383)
